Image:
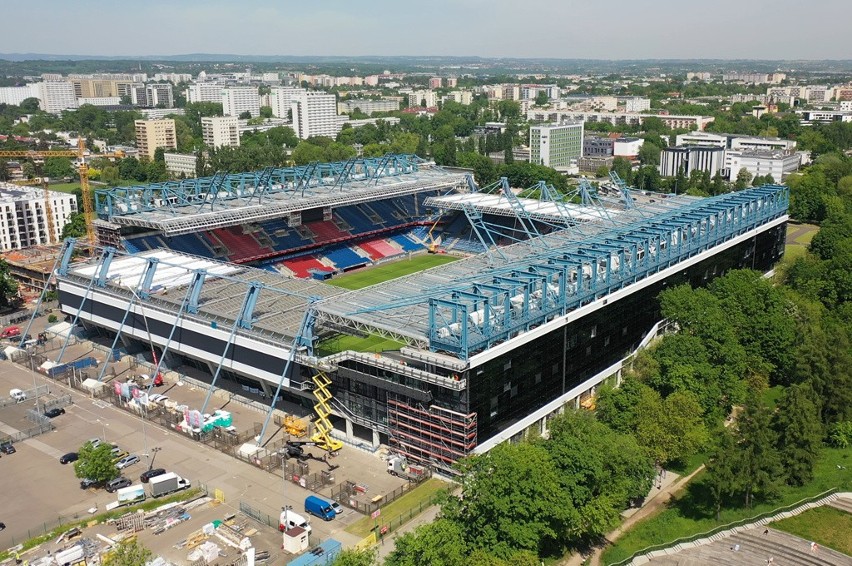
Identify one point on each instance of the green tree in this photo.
(355, 557)
(799, 432)
(440, 543)
(511, 500)
(96, 463)
(245, 115)
(128, 553)
(723, 470)
(266, 112)
(8, 285)
(623, 168)
(649, 154)
(306, 153)
(58, 167)
(759, 468)
(76, 226)
(541, 99)
(743, 179)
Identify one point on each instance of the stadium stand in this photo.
(379, 249)
(346, 258)
(241, 247)
(406, 243)
(302, 266)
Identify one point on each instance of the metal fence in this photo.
(258, 515)
(350, 494)
(36, 430)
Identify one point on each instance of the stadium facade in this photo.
(549, 295)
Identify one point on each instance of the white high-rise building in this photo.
(239, 99)
(220, 131)
(281, 99)
(14, 95)
(57, 96)
(23, 221)
(558, 145)
(315, 114)
(204, 92)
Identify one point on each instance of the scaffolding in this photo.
(435, 436)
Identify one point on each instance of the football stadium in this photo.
(434, 316)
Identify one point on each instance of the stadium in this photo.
(441, 317)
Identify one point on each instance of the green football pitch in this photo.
(388, 271)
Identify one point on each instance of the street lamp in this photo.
(103, 428)
(155, 449)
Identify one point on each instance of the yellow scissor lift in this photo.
(322, 436)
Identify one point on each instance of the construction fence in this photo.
(353, 495)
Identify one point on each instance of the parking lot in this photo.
(44, 489)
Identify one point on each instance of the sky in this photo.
(563, 29)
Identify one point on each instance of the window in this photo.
(594, 331)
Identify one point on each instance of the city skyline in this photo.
(662, 29)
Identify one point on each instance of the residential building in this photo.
(173, 78)
(618, 118)
(23, 219)
(315, 114)
(237, 100)
(97, 86)
(160, 113)
(846, 105)
(637, 104)
(57, 96)
(281, 99)
(825, 116)
(204, 92)
(421, 98)
(220, 131)
(557, 145)
(181, 165)
(843, 93)
(452, 82)
(14, 95)
(138, 95)
(461, 96)
(691, 158)
(435, 82)
(779, 164)
(151, 134)
(367, 106)
(160, 94)
(100, 101)
(754, 78)
(530, 91)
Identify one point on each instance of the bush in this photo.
(840, 434)
(52, 318)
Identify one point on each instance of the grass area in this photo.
(388, 271)
(771, 396)
(104, 517)
(825, 526)
(692, 511)
(417, 497)
(798, 245)
(64, 187)
(371, 343)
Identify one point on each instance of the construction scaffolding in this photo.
(435, 436)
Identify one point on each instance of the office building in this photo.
(618, 118)
(315, 114)
(220, 131)
(558, 146)
(101, 86)
(627, 148)
(779, 164)
(160, 94)
(23, 220)
(151, 134)
(281, 100)
(687, 159)
(597, 146)
(57, 96)
(237, 100)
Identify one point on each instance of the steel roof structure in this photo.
(182, 207)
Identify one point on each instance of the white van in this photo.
(291, 519)
(18, 395)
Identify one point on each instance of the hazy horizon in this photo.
(658, 29)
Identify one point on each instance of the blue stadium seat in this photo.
(345, 257)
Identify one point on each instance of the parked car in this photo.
(114, 485)
(95, 442)
(68, 458)
(86, 483)
(148, 474)
(2, 526)
(127, 461)
(118, 454)
(7, 448)
(53, 413)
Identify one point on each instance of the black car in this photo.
(52, 413)
(7, 449)
(68, 458)
(86, 483)
(148, 474)
(2, 526)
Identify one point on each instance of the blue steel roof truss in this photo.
(481, 314)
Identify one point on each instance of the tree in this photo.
(266, 112)
(306, 153)
(759, 467)
(76, 226)
(602, 172)
(623, 168)
(96, 463)
(799, 431)
(355, 557)
(649, 154)
(245, 115)
(440, 543)
(8, 286)
(58, 167)
(511, 500)
(541, 99)
(723, 479)
(743, 179)
(128, 553)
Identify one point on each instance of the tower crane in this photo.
(83, 169)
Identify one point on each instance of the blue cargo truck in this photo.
(319, 508)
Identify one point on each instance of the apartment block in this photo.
(23, 219)
(558, 146)
(151, 134)
(57, 96)
(237, 100)
(219, 131)
(281, 99)
(315, 114)
(181, 165)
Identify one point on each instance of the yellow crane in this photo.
(83, 168)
